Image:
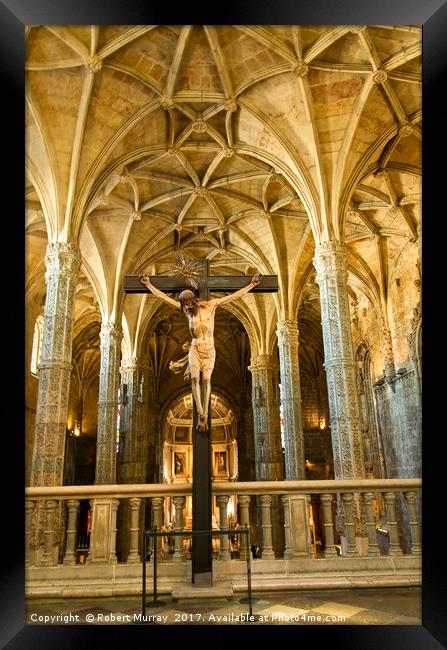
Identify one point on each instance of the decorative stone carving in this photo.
(199, 126)
(266, 422)
(167, 103)
(405, 130)
(62, 262)
(107, 404)
(231, 105)
(94, 64)
(301, 69)
(287, 333)
(330, 264)
(380, 76)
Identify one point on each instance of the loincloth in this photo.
(202, 357)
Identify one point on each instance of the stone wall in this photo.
(400, 416)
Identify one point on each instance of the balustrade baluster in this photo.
(72, 530)
(373, 547)
(49, 533)
(391, 520)
(179, 504)
(267, 546)
(348, 500)
(222, 502)
(328, 525)
(416, 548)
(244, 505)
(134, 552)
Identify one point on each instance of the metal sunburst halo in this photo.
(187, 268)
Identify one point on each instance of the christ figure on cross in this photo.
(202, 352)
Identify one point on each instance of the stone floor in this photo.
(392, 606)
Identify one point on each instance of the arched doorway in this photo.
(177, 430)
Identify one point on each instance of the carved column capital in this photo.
(330, 260)
(287, 329)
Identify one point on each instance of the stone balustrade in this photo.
(295, 499)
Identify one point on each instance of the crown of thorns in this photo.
(187, 268)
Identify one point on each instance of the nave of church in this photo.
(289, 151)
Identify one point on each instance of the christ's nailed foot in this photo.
(202, 424)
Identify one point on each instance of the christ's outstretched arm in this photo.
(144, 279)
(237, 294)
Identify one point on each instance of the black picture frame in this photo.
(432, 15)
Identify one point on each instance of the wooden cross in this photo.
(201, 486)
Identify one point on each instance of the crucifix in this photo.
(199, 310)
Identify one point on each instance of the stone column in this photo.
(72, 529)
(244, 505)
(287, 333)
(416, 548)
(328, 525)
(331, 266)
(267, 546)
(222, 502)
(267, 430)
(132, 465)
(135, 410)
(179, 505)
(108, 404)
(266, 421)
(134, 554)
(62, 262)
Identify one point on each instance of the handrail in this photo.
(221, 487)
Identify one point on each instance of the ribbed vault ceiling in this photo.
(241, 144)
